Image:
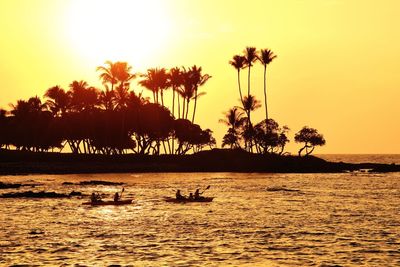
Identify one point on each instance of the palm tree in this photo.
(25, 108)
(36, 104)
(250, 55)
(121, 97)
(238, 62)
(155, 80)
(58, 101)
(106, 99)
(162, 82)
(233, 119)
(265, 58)
(83, 96)
(175, 81)
(113, 73)
(250, 103)
(197, 79)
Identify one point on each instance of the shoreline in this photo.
(216, 160)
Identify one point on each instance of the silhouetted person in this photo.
(178, 195)
(197, 194)
(116, 197)
(191, 197)
(95, 197)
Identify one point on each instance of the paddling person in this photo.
(116, 197)
(95, 197)
(191, 196)
(178, 195)
(197, 194)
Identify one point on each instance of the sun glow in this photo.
(129, 30)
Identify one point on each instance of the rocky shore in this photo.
(216, 160)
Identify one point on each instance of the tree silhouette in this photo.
(197, 79)
(58, 100)
(175, 79)
(107, 99)
(234, 120)
(250, 55)
(269, 137)
(114, 73)
(266, 57)
(311, 138)
(83, 96)
(238, 62)
(151, 82)
(250, 103)
(113, 121)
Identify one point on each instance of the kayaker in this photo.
(116, 197)
(191, 196)
(178, 195)
(95, 197)
(197, 194)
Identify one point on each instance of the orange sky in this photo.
(337, 66)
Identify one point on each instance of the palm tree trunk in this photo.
(179, 107)
(173, 101)
(248, 83)
(183, 107)
(265, 93)
(173, 115)
(187, 108)
(195, 105)
(240, 90)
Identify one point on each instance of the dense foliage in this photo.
(115, 120)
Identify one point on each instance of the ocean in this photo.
(346, 219)
(362, 158)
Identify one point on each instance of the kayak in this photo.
(112, 203)
(174, 200)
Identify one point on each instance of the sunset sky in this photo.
(337, 68)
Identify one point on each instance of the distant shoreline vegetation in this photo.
(118, 120)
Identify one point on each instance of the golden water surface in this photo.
(254, 220)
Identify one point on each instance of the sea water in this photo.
(349, 219)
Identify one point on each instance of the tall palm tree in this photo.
(197, 79)
(238, 62)
(162, 82)
(250, 55)
(114, 73)
(266, 57)
(155, 80)
(58, 100)
(149, 82)
(175, 81)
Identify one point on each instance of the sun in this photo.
(129, 30)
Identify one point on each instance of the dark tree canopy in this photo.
(111, 121)
(311, 138)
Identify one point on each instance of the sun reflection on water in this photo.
(278, 220)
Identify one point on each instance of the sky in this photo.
(337, 65)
